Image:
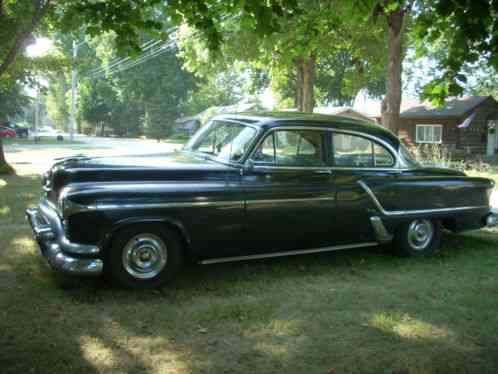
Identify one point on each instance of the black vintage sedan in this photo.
(247, 187)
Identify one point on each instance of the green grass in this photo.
(361, 311)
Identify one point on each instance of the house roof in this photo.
(457, 107)
(342, 111)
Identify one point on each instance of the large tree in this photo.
(301, 54)
(468, 32)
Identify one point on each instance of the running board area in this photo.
(287, 253)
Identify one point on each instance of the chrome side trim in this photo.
(413, 211)
(191, 204)
(188, 204)
(381, 233)
(287, 253)
(273, 201)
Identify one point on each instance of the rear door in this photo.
(356, 158)
(290, 193)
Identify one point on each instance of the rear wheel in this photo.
(145, 256)
(420, 237)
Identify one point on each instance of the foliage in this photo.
(433, 155)
(468, 33)
(347, 59)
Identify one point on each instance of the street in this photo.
(37, 158)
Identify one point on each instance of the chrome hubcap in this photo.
(420, 234)
(144, 256)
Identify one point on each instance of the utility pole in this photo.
(72, 125)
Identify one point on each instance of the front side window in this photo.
(291, 148)
(429, 134)
(356, 151)
(227, 141)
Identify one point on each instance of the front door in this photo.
(290, 194)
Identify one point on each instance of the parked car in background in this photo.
(6, 132)
(21, 131)
(48, 133)
(248, 187)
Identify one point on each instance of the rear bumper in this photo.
(492, 218)
(62, 254)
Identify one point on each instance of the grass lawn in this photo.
(361, 311)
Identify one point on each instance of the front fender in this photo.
(129, 221)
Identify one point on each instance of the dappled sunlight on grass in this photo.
(281, 327)
(408, 327)
(4, 211)
(3, 183)
(97, 353)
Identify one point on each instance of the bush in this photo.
(433, 155)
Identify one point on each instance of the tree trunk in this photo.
(5, 168)
(299, 84)
(308, 84)
(305, 99)
(392, 102)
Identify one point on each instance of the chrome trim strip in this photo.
(311, 168)
(413, 211)
(104, 206)
(189, 204)
(287, 253)
(381, 233)
(271, 201)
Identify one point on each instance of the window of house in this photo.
(356, 151)
(291, 148)
(429, 134)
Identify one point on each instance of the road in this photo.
(36, 158)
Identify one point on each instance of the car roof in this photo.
(277, 119)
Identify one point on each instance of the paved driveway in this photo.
(36, 158)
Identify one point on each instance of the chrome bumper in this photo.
(55, 246)
(492, 218)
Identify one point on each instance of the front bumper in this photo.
(57, 248)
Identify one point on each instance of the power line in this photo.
(144, 47)
(130, 64)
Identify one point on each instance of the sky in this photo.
(40, 47)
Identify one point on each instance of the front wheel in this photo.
(420, 237)
(145, 256)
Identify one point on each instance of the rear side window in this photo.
(292, 148)
(356, 151)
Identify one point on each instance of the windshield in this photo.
(226, 141)
(407, 156)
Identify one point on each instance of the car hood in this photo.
(177, 166)
(175, 160)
